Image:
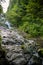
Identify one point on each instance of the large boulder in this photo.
(14, 55)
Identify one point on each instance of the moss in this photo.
(22, 46)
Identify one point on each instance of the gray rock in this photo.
(11, 37)
(34, 60)
(12, 42)
(14, 55)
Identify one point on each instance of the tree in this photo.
(27, 15)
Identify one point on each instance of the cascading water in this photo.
(5, 4)
(8, 24)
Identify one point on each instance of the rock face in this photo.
(15, 52)
(11, 37)
(14, 55)
(11, 41)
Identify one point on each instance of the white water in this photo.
(5, 5)
(8, 24)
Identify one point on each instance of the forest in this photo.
(27, 16)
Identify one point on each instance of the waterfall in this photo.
(5, 5)
(8, 24)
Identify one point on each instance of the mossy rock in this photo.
(22, 46)
(40, 52)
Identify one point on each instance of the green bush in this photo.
(27, 16)
(41, 30)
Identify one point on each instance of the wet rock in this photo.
(15, 55)
(34, 61)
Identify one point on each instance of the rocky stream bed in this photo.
(16, 50)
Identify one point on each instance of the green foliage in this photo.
(27, 15)
(22, 46)
(15, 15)
(41, 30)
(0, 9)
